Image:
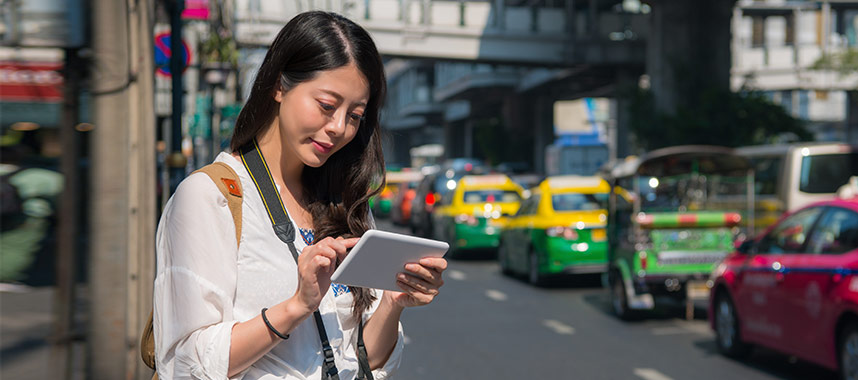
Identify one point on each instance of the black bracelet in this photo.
(265, 319)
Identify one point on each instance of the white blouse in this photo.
(204, 286)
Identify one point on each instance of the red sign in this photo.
(31, 81)
(196, 10)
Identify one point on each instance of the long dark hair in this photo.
(337, 193)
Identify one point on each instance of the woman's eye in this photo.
(356, 117)
(326, 106)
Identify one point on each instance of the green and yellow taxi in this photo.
(473, 217)
(559, 229)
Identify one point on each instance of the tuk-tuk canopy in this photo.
(684, 159)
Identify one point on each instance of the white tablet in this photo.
(379, 256)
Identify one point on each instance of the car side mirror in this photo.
(747, 247)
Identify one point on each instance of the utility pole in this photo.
(122, 190)
(69, 215)
(176, 160)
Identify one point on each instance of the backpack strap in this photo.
(229, 184)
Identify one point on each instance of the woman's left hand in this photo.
(419, 283)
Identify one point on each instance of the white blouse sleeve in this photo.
(195, 283)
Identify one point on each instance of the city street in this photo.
(488, 326)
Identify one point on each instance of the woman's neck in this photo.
(285, 166)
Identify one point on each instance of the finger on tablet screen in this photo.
(350, 242)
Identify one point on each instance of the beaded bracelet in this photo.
(270, 327)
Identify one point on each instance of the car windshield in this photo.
(579, 202)
(825, 173)
(444, 186)
(693, 192)
(491, 196)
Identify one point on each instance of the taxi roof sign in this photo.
(404, 176)
(566, 181)
(485, 180)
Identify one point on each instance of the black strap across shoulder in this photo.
(255, 164)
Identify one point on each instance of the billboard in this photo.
(42, 23)
(39, 82)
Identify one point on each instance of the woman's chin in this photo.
(315, 161)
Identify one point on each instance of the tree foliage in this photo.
(496, 144)
(720, 117)
(844, 62)
(220, 48)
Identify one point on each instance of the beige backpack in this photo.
(230, 186)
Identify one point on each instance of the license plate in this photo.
(598, 234)
(697, 289)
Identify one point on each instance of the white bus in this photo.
(794, 175)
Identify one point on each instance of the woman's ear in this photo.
(278, 93)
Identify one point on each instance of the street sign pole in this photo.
(176, 161)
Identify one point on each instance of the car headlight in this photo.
(466, 219)
(565, 232)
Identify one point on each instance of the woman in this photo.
(313, 111)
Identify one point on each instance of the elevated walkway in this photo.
(483, 31)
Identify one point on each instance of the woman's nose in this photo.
(337, 124)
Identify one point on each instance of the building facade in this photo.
(779, 49)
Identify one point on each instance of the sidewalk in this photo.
(25, 324)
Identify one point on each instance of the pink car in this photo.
(794, 289)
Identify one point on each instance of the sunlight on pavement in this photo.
(650, 374)
(496, 295)
(559, 327)
(456, 275)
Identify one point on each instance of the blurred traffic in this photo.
(701, 229)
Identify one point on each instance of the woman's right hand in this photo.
(316, 264)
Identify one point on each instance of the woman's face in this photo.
(320, 116)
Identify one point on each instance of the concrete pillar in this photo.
(122, 191)
(469, 138)
(621, 137)
(543, 129)
(688, 50)
(452, 140)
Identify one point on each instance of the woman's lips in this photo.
(322, 148)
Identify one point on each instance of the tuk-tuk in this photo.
(673, 214)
